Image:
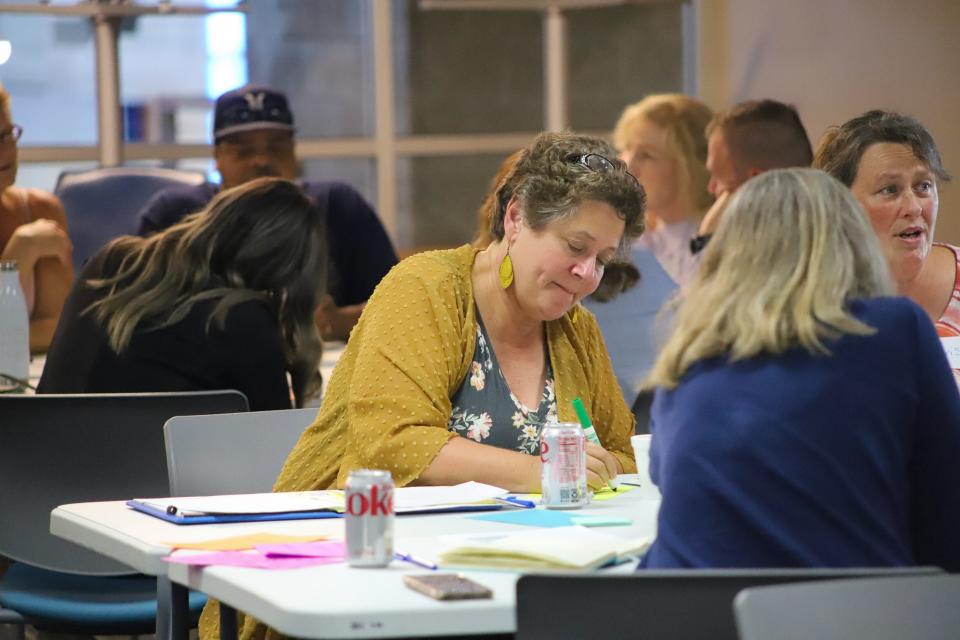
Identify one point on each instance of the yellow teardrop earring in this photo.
(506, 271)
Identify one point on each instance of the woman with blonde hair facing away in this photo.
(802, 417)
(222, 300)
(662, 141)
(33, 232)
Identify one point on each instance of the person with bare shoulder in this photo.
(893, 167)
(33, 232)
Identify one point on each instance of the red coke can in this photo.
(369, 518)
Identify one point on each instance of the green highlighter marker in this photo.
(590, 431)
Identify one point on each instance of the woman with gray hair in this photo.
(802, 417)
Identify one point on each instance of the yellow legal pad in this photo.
(249, 541)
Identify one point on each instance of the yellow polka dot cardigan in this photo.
(388, 401)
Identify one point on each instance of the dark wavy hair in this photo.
(262, 240)
(841, 148)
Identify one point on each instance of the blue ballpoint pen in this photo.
(514, 501)
(420, 562)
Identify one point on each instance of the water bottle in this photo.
(14, 330)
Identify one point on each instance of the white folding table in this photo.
(327, 601)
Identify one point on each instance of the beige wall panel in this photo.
(835, 59)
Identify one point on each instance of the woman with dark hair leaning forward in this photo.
(802, 417)
(222, 300)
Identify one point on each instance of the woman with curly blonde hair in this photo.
(661, 139)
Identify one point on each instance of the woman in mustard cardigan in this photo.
(462, 355)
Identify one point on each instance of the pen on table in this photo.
(517, 502)
(590, 431)
(420, 562)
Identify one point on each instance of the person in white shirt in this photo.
(661, 139)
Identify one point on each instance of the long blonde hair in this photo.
(793, 249)
(263, 240)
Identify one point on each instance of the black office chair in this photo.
(641, 411)
(684, 604)
(62, 449)
(102, 204)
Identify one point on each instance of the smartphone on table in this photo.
(447, 586)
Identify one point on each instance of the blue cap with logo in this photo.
(251, 108)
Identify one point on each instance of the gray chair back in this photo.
(684, 604)
(231, 452)
(61, 449)
(102, 204)
(917, 607)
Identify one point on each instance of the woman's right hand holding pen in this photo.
(602, 467)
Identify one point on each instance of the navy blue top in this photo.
(359, 249)
(246, 354)
(814, 461)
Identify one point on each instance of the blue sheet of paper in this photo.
(548, 518)
(530, 517)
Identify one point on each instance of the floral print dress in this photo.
(485, 410)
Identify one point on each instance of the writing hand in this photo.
(602, 467)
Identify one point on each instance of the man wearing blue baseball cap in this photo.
(253, 135)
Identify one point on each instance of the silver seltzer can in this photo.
(369, 518)
(563, 452)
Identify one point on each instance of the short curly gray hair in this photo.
(550, 184)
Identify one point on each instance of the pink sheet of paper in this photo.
(333, 549)
(249, 560)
